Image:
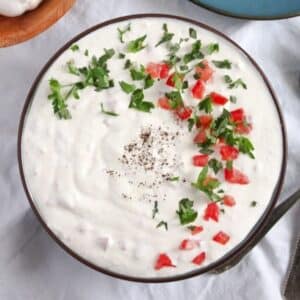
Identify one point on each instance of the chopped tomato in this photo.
(162, 261)
(228, 152)
(237, 115)
(199, 259)
(188, 244)
(200, 138)
(164, 103)
(243, 128)
(196, 229)
(164, 71)
(157, 70)
(218, 99)
(228, 200)
(205, 121)
(221, 238)
(170, 81)
(235, 176)
(198, 89)
(212, 212)
(184, 113)
(200, 160)
(204, 71)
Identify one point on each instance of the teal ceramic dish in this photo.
(251, 9)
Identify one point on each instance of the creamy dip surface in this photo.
(13, 8)
(109, 186)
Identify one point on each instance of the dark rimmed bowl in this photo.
(235, 252)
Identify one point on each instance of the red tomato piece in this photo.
(237, 115)
(163, 261)
(188, 244)
(200, 160)
(184, 113)
(205, 120)
(199, 259)
(228, 152)
(198, 89)
(221, 238)
(229, 200)
(196, 230)
(164, 71)
(243, 128)
(170, 80)
(204, 71)
(235, 176)
(164, 103)
(200, 138)
(212, 212)
(218, 99)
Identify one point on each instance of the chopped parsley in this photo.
(211, 48)
(126, 87)
(86, 52)
(233, 99)
(253, 203)
(138, 74)
(234, 83)
(122, 32)
(162, 223)
(106, 112)
(215, 165)
(222, 64)
(137, 44)
(194, 54)
(245, 146)
(186, 213)
(206, 105)
(74, 48)
(167, 36)
(175, 99)
(121, 55)
(155, 209)
(175, 178)
(193, 33)
(72, 69)
(192, 122)
(127, 64)
(137, 101)
(148, 82)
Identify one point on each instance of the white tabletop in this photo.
(34, 267)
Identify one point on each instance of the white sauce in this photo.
(13, 8)
(66, 162)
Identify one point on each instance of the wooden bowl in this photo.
(19, 29)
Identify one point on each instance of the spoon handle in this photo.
(279, 211)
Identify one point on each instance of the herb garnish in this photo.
(148, 82)
(86, 52)
(110, 113)
(137, 102)
(194, 54)
(215, 165)
(186, 212)
(193, 33)
(127, 64)
(72, 69)
(167, 36)
(121, 55)
(155, 209)
(138, 74)
(175, 178)
(123, 31)
(206, 105)
(74, 48)
(126, 87)
(253, 203)
(137, 45)
(222, 64)
(192, 122)
(233, 99)
(234, 83)
(175, 99)
(162, 223)
(211, 48)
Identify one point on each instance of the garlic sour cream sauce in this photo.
(13, 8)
(154, 158)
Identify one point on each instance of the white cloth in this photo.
(34, 267)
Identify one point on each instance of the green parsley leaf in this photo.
(222, 64)
(123, 31)
(245, 146)
(193, 33)
(192, 122)
(86, 52)
(229, 164)
(211, 48)
(233, 99)
(127, 64)
(167, 36)
(121, 55)
(74, 48)
(59, 104)
(138, 74)
(110, 113)
(234, 83)
(253, 203)
(186, 213)
(126, 87)
(175, 178)
(137, 102)
(206, 105)
(194, 54)
(155, 209)
(162, 223)
(175, 99)
(215, 165)
(137, 44)
(72, 69)
(148, 82)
